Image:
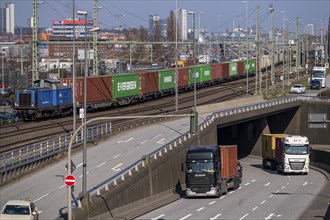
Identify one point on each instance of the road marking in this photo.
(41, 197)
(270, 196)
(158, 217)
(240, 187)
(143, 142)
(157, 136)
(287, 183)
(61, 187)
(254, 208)
(116, 156)
(187, 216)
(80, 176)
(211, 203)
(125, 141)
(200, 209)
(262, 202)
(161, 141)
(215, 217)
(223, 197)
(79, 165)
(244, 216)
(282, 187)
(305, 183)
(231, 192)
(269, 216)
(246, 184)
(101, 164)
(115, 168)
(267, 184)
(277, 191)
(253, 181)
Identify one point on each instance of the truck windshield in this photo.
(296, 149)
(200, 166)
(318, 74)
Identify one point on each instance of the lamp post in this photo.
(283, 48)
(247, 56)
(84, 13)
(194, 57)
(199, 29)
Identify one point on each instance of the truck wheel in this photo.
(264, 165)
(272, 166)
(225, 190)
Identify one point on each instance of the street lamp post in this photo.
(247, 56)
(194, 57)
(84, 13)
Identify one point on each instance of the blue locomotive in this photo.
(46, 98)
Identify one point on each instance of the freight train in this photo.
(49, 98)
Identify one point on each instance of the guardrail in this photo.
(174, 143)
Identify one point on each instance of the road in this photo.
(260, 190)
(262, 195)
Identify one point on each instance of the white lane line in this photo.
(215, 217)
(262, 202)
(116, 156)
(211, 203)
(246, 184)
(277, 191)
(161, 141)
(187, 216)
(270, 196)
(61, 187)
(125, 141)
(223, 197)
(101, 164)
(41, 197)
(231, 192)
(116, 167)
(244, 216)
(253, 181)
(79, 165)
(80, 176)
(267, 184)
(287, 183)
(282, 187)
(158, 217)
(157, 136)
(305, 183)
(200, 209)
(143, 142)
(269, 216)
(254, 208)
(240, 187)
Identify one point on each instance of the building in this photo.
(10, 18)
(64, 28)
(310, 29)
(2, 21)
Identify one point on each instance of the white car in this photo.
(298, 88)
(19, 210)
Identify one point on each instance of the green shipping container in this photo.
(125, 85)
(232, 69)
(206, 71)
(198, 71)
(249, 66)
(166, 79)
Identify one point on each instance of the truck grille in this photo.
(25, 100)
(297, 165)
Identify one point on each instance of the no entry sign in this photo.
(70, 180)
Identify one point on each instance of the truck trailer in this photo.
(212, 170)
(285, 153)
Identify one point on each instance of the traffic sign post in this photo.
(70, 180)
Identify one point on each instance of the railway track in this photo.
(20, 134)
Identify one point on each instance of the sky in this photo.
(212, 15)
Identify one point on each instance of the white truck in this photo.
(286, 153)
(319, 73)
